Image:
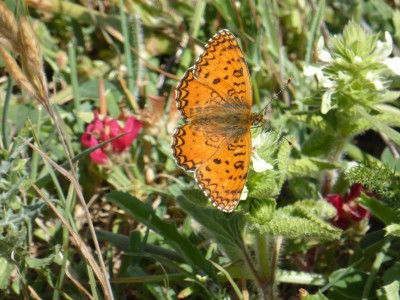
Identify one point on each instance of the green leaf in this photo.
(312, 121)
(146, 215)
(317, 296)
(226, 229)
(39, 263)
(392, 274)
(6, 268)
(275, 151)
(389, 292)
(318, 143)
(297, 221)
(122, 242)
(393, 229)
(351, 284)
(308, 165)
(391, 133)
(377, 208)
(301, 278)
(262, 211)
(28, 212)
(7, 164)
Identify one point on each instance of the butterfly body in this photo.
(214, 97)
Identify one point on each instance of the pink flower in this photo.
(102, 130)
(348, 210)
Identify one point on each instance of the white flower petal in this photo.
(325, 56)
(343, 76)
(326, 101)
(258, 141)
(259, 164)
(384, 49)
(378, 85)
(244, 194)
(393, 64)
(375, 80)
(310, 70)
(327, 83)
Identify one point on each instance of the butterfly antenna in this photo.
(282, 88)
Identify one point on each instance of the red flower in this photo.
(102, 130)
(348, 210)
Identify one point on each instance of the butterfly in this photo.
(214, 97)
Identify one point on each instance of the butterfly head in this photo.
(258, 118)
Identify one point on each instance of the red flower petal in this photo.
(336, 201)
(98, 156)
(132, 126)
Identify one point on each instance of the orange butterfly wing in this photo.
(219, 75)
(215, 97)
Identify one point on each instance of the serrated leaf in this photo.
(226, 229)
(316, 122)
(294, 227)
(318, 143)
(11, 241)
(320, 208)
(27, 212)
(6, 164)
(296, 222)
(301, 278)
(283, 162)
(309, 165)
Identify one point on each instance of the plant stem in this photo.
(376, 267)
(267, 254)
(4, 126)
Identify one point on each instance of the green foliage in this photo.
(300, 220)
(145, 214)
(378, 178)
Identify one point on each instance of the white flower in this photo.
(357, 59)
(326, 101)
(376, 81)
(244, 194)
(259, 164)
(382, 52)
(384, 49)
(343, 76)
(310, 70)
(326, 83)
(323, 55)
(393, 64)
(378, 85)
(324, 80)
